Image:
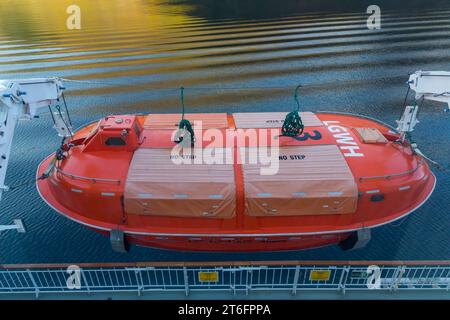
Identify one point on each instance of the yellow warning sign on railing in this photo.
(319, 275)
(211, 276)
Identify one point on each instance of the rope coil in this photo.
(293, 125)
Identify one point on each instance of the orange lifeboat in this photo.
(125, 177)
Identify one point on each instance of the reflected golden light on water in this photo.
(46, 19)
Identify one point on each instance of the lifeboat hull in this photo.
(386, 193)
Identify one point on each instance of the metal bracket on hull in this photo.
(359, 239)
(118, 241)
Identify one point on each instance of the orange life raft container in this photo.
(344, 175)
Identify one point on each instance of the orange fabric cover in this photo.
(246, 120)
(157, 186)
(311, 180)
(371, 135)
(171, 121)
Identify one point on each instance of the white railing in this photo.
(234, 278)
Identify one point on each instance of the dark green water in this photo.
(137, 53)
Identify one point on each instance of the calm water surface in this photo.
(131, 56)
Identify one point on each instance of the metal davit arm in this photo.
(431, 85)
(26, 100)
(428, 85)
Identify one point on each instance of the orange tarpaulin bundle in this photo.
(157, 185)
(311, 180)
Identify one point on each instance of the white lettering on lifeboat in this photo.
(343, 138)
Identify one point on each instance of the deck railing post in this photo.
(398, 278)
(139, 281)
(186, 281)
(447, 275)
(85, 281)
(36, 288)
(343, 279)
(295, 282)
(248, 281)
(233, 282)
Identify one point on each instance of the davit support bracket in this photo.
(357, 240)
(118, 241)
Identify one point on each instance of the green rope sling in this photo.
(293, 125)
(184, 123)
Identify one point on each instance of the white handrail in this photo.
(290, 279)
